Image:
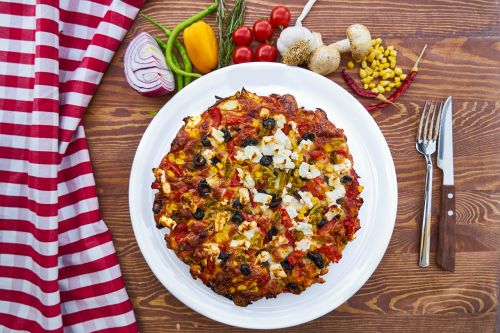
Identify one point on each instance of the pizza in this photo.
(259, 196)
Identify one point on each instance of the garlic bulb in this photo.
(296, 43)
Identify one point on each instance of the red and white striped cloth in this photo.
(58, 266)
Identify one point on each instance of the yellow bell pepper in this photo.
(201, 46)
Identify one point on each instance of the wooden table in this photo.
(462, 60)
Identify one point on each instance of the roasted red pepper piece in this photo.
(290, 236)
(215, 115)
(179, 192)
(234, 120)
(235, 180)
(286, 129)
(317, 154)
(331, 252)
(228, 195)
(285, 218)
(294, 257)
(175, 169)
(312, 186)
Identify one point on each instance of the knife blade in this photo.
(446, 243)
(445, 144)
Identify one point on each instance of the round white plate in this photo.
(372, 161)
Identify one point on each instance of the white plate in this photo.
(372, 161)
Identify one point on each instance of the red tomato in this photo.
(280, 17)
(266, 52)
(262, 30)
(215, 114)
(242, 54)
(242, 36)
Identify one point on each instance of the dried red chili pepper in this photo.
(401, 90)
(360, 91)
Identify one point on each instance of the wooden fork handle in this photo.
(447, 238)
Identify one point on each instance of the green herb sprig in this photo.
(228, 21)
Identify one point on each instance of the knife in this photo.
(446, 243)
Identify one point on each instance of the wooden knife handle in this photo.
(446, 246)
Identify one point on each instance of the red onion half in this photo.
(145, 67)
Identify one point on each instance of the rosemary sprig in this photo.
(228, 22)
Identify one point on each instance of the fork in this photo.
(427, 134)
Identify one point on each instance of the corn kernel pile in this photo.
(378, 70)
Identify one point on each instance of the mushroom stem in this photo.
(344, 46)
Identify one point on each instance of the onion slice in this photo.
(145, 67)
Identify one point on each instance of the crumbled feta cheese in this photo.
(237, 242)
(246, 178)
(294, 156)
(165, 186)
(193, 121)
(211, 249)
(306, 198)
(282, 139)
(261, 198)
(208, 154)
(263, 256)
(305, 145)
(305, 228)
(280, 120)
(303, 245)
(293, 125)
(217, 135)
(229, 105)
(251, 153)
(281, 159)
(276, 271)
(336, 193)
(278, 241)
(244, 195)
(308, 171)
(167, 222)
(343, 167)
(333, 211)
(292, 205)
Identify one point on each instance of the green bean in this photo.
(188, 67)
(175, 32)
(179, 79)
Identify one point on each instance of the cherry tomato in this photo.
(280, 17)
(242, 54)
(262, 30)
(266, 52)
(242, 36)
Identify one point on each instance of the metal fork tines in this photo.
(427, 134)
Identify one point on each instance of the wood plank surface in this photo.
(463, 60)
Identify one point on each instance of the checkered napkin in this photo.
(58, 267)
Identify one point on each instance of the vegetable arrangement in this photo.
(262, 31)
(152, 73)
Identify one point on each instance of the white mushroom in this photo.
(324, 59)
(358, 42)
